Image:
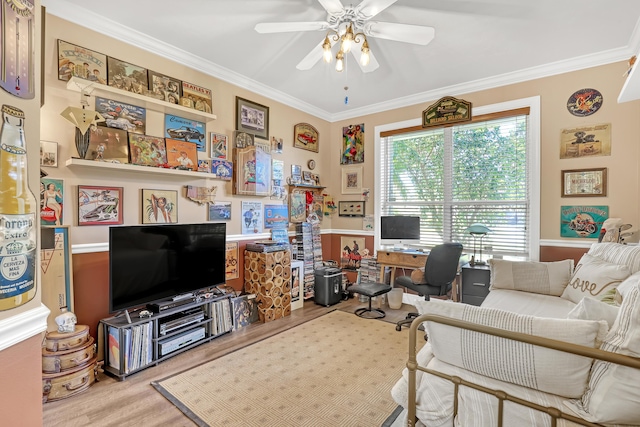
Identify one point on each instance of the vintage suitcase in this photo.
(58, 361)
(58, 341)
(70, 382)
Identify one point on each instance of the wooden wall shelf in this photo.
(82, 163)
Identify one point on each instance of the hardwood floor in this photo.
(134, 402)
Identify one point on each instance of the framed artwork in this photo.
(231, 257)
(307, 178)
(218, 145)
(219, 211)
(297, 207)
(147, 150)
(276, 145)
(296, 279)
(251, 217)
(187, 130)
(352, 144)
(123, 116)
(277, 169)
(99, 205)
(582, 221)
(352, 180)
(584, 182)
(351, 253)
(222, 169)
(76, 61)
(164, 87)
(243, 139)
(280, 235)
(252, 168)
(296, 170)
(159, 206)
(252, 118)
(351, 208)
(276, 216)
(196, 97)
(49, 154)
(108, 144)
(126, 76)
(51, 201)
(181, 155)
(306, 137)
(585, 141)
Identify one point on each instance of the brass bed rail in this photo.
(554, 413)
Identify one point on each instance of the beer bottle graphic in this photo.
(18, 213)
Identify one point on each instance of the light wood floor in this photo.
(134, 402)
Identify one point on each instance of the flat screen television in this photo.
(150, 263)
(399, 231)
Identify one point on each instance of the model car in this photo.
(186, 133)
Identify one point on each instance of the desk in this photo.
(408, 259)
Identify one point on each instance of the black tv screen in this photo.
(400, 228)
(156, 262)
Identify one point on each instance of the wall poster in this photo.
(582, 221)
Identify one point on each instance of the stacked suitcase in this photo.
(69, 364)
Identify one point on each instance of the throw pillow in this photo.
(547, 278)
(613, 393)
(591, 309)
(594, 278)
(516, 362)
(617, 254)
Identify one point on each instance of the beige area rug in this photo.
(336, 370)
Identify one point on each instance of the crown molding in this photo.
(23, 326)
(83, 17)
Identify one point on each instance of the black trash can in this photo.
(327, 286)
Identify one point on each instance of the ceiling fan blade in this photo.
(370, 8)
(286, 27)
(332, 6)
(407, 33)
(373, 62)
(313, 57)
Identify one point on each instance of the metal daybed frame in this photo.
(554, 413)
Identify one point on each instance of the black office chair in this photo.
(440, 271)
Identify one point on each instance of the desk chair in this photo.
(440, 271)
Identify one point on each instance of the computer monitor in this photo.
(399, 231)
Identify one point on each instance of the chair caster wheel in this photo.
(398, 328)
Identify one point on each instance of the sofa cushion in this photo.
(613, 394)
(515, 362)
(528, 303)
(547, 278)
(595, 278)
(618, 254)
(592, 309)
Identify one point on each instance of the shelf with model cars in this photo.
(75, 162)
(92, 88)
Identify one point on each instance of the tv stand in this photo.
(147, 341)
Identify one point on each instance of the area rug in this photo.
(336, 370)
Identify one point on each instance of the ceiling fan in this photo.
(354, 25)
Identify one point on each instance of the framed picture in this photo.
(181, 155)
(165, 87)
(276, 145)
(222, 169)
(352, 180)
(584, 182)
(352, 144)
(296, 279)
(251, 217)
(307, 178)
(218, 145)
(159, 206)
(196, 97)
(147, 150)
(76, 61)
(108, 144)
(49, 154)
(582, 221)
(297, 207)
(252, 118)
(123, 116)
(585, 141)
(231, 255)
(187, 130)
(126, 76)
(204, 165)
(276, 216)
(306, 137)
(252, 168)
(99, 205)
(51, 201)
(296, 170)
(351, 253)
(219, 211)
(351, 208)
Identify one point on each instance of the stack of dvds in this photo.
(304, 239)
(270, 246)
(317, 245)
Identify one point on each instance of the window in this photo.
(485, 171)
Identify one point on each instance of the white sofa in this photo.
(595, 306)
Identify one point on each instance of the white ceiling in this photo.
(478, 44)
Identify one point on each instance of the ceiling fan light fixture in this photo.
(347, 39)
(340, 61)
(364, 58)
(326, 47)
